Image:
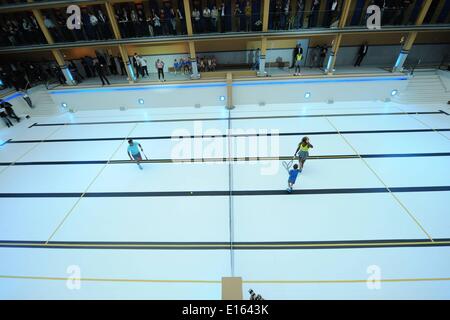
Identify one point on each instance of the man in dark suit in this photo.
(361, 54)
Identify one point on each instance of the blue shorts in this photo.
(291, 181)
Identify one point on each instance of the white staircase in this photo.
(424, 87)
(42, 102)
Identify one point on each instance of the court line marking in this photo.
(382, 181)
(29, 150)
(239, 118)
(194, 281)
(281, 134)
(88, 187)
(227, 159)
(224, 193)
(423, 123)
(302, 245)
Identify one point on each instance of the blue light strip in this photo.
(260, 83)
(13, 96)
(156, 87)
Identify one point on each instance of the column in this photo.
(265, 17)
(64, 68)
(230, 91)
(407, 45)
(337, 40)
(193, 57)
(128, 66)
(262, 58)
(187, 17)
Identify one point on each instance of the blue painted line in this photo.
(280, 82)
(222, 193)
(147, 88)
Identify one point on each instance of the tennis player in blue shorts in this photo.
(133, 152)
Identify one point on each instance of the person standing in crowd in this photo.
(99, 68)
(303, 151)
(207, 19)
(26, 97)
(196, 18)
(158, 25)
(298, 62)
(248, 16)
(173, 21)
(299, 15)
(361, 54)
(181, 21)
(222, 18)
(123, 71)
(111, 64)
(143, 66)
(8, 108)
(74, 71)
(96, 31)
(312, 21)
(214, 17)
(103, 24)
(237, 17)
(133, 152)
(296, 50)
(4, 117)
(323, 54)
(135, 23)
(257, 55)
(136, 65)
(159, 64)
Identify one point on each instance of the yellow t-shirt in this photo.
(304, 147)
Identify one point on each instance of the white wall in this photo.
(244, 92)
(206, 94)
(343, 89)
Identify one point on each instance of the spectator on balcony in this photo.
(52, 28)
(164, 22)
(237, 17)
(157, 24)
(103, 24)
(299, 14)
(96, 31)
(27, 29)
(134, 23)
(284, 19)
(206, 19)
(121, 22)
(172, 21)
(222, 13)
(181, 21)
(142, 23)
(196, 20)
(312, 22)
(214, 17)
(248, 16)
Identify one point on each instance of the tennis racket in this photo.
(288, 164)
(145, 155)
